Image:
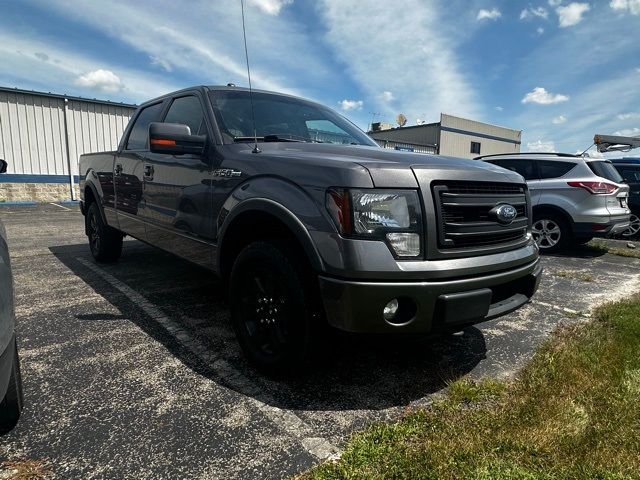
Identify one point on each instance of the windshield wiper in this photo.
(275, 138)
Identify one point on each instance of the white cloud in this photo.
(632, 5)
(571, 14)
(387, 96)
(492, 14)
(102, 80)
(271, 7)
(206, 54)
(559, 120)
(347, 105)
(426, 78)
(161, 62)
(540, 30)
(540, 96)
(628, 132)
(499, 109)
(555, 3)
(65, 67)
(591, 153)
(628, 116)
(541, 146)
(531, 12)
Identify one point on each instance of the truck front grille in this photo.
(464, 214)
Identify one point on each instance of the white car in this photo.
(574, 198)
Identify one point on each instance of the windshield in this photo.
(281, 119)
(606, 170)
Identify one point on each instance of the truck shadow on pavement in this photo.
(348, 373)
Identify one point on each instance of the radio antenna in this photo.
(246, 56)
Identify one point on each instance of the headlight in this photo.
(393, 216)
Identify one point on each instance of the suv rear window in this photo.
(606, 170)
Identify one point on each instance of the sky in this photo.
(559, 71)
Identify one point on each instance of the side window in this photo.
(139, 136)
(475, 147)
(526, 168)
(187, 111)
(554, 169)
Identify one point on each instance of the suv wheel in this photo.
(105, 242)
(634, 227)
(13, 401)
(550, 232)
(271, 307)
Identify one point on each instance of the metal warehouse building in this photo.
(42, 135)
(453, 136)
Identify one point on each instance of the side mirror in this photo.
(3, 166)
(175, 139)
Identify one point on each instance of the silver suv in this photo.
(574, 198)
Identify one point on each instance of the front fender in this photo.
(299, 210)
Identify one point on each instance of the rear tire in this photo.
(551, 232)
(105, 242)
(13, 401)
(272, 307)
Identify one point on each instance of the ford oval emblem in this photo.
(505, 213)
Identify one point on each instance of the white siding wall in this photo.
(32, 136)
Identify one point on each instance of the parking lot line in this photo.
(286, 420)
(59, 206)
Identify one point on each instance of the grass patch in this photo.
(24, 469)
(576, 274)
(573, 413)
(622, 252)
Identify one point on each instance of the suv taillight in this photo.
(595, 188)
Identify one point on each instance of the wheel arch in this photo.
(260, 219)
(546, 208)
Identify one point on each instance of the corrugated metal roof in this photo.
(69, 97)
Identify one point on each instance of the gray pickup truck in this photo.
(309, 221)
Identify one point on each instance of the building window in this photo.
(475, 147)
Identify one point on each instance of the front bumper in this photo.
(427, 306)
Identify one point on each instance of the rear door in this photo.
(178, 189)
(525, 167)
(553, 189)
(128, 173)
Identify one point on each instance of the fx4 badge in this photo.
(226, 172)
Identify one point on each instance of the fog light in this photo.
(405, 244)
(390, 309)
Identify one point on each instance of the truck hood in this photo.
(391, 168)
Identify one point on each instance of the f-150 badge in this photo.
(226, 172)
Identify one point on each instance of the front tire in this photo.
(13, 401)
(551, 232)
(105, 242)
(272, 308)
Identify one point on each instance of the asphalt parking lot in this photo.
(131, 370)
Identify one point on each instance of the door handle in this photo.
(118, 169)
(148, 172)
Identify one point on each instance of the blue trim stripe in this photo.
(28, 178)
